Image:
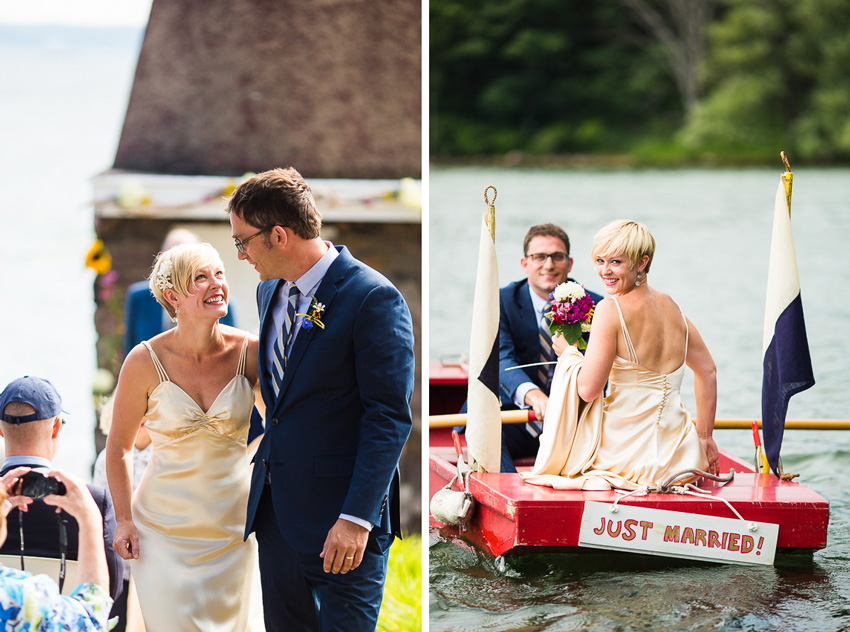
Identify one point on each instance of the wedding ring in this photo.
(349, 557)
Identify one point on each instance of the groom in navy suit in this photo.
(336, 374)
(523, 334)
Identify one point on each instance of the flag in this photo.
(483, 420)
(787, 363)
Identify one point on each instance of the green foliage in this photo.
(401, 608)
(545, 77)
(777, 80)
(540, 76)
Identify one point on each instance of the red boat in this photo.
(514, 518)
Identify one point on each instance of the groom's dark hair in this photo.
(279, 197)
(545, 230)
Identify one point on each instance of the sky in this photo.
(76, 12)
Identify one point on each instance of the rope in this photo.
(688, 488)
(695, 472)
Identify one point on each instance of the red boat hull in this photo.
(512, 517)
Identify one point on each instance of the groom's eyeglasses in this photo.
(240, 243)
(540, 257)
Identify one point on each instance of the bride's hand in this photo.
(126, 541)
(559, 344)
(712, 454)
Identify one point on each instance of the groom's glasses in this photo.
(240, 243)
(540, 257)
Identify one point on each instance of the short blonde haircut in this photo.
(625, 237)
(184, 260)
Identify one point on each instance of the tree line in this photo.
(659, 81)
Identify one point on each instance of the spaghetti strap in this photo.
(687, 329)
(632, 354)
(243, 356)
(163, 376)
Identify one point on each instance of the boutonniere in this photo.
(314, 317)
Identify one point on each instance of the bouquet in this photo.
(571, 313)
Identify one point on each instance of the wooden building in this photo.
(225, 88)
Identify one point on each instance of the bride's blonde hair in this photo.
(175, 269)
(626, 237)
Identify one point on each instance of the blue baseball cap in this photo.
(35, 391)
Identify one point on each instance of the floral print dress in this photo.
(33, 603)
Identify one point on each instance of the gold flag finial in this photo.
(491, 211)
(787, 179)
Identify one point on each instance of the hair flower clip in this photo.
(163, 277)
(314, 318)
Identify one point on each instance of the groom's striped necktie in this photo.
(544, 371)
(280, 350)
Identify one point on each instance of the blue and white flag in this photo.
(787, 363)
(483, 419)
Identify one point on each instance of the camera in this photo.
(37, 485)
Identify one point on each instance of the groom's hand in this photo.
(344, 546)
(538, 402)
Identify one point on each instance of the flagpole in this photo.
(787, 364)
(483, 431)
(787, 180)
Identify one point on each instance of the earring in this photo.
(176, 313)
(640, 277)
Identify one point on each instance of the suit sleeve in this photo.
(384, 367)
(113, 561)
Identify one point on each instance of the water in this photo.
(712, 229)
(62, 104)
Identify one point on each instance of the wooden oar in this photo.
(524, 416)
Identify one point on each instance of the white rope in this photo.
(643, 490)
(689, 489)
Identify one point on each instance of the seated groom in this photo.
(524, 336)
(336, 375)
(30, 419)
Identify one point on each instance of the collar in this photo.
(309, 281)
(539, 304)
(30, 461)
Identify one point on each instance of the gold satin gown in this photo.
(194, 572)
(640, 434)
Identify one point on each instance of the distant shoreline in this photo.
(610, 161)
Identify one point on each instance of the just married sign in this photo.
(677, 534)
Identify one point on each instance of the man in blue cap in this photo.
(30, 419)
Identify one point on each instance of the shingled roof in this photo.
(331, 87)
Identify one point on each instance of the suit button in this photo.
(274, 421)
(265, 463)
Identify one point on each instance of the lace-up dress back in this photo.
(640, 434)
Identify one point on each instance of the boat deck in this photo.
(513, 517)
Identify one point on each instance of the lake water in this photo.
(62, 103)
(712, 229)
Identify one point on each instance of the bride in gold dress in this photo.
(640, 342)
(183, 529)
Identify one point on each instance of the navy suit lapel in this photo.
(328, 289)
(530, 326)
